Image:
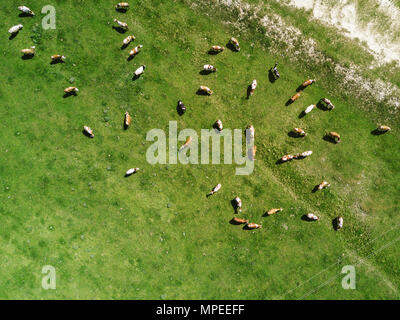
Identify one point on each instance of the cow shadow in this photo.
(315, 189)
(231, 47)
(135, 77)
(376, 132)
(322, 106)
(235, 223)
(27, 56)
(300, 88)
(205, 72)
(53, 62)
(86, 134)
(289, 102)
(212, 52)
(69, 94)
(121, 10)
(12, 36)
(302, 114)
(248, 93)
(25, 15)
(131, 57)
(201, 93)
(120, 29)
(329, 139)
(335, 224)
(124, 46)
(292, 134)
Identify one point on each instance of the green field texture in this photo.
(64, 200)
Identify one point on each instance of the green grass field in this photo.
(64, 200)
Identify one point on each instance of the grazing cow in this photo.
(57, 58)
(334, 136)
(218, 125)
(237, 204)
(206, 90)
(122, 6)
(309, 108)
(121, 24)
(139, 71)
(253, 153)
(287, 157)
(128, 40)
(214, 190)
(274, 210)
(239, 220)
(135, 50)
(88, 131)
(127, 120)
(254, 225)
(384, 128)
(307, 83)
(131, 171)
(295, 97)
(15, 29)
(275, 71)
(300, 132)
(303, 154)
(209, 67)
(181, 107)
(70, 90)
(339, 222)
(312, 217)
(217, 49)
(328, 103)
(234, 42)
(251, 131)
(323, 185)
(26, 10)
(253, 87)
(188, 140)
(28, 52)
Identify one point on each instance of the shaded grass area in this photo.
(155, 235)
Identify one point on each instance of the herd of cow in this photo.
(234, 46)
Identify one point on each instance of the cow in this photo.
(57, 58)
(307, 83)
(214, 190)
(217, 49)
(121, 24)
(128, 40)
(339, 222)
(235, 43)
(237, 203)
(122, 6)
(29, 52)
(312, 217)
(309, 108)
(139, 71)
(206, 90)
(135, 51)
(384, 129)
(88, 131)
(15, 29)
(334, 136)
(253, 151)
(71, 90)
(181, 107)
(300, 132)
(187, 142)
(254, 226)
(303, 154)
(253, 87)
(273, 211)
(295, 96)
(323, 185)
(328, 103)
(275, 71)
(26, 10)
(127, 119)
(287, 157)
(209, 67)
(131, 171)
(251, 131)
(239, 220)
(218, 125)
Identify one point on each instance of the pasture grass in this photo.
(154, 235)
